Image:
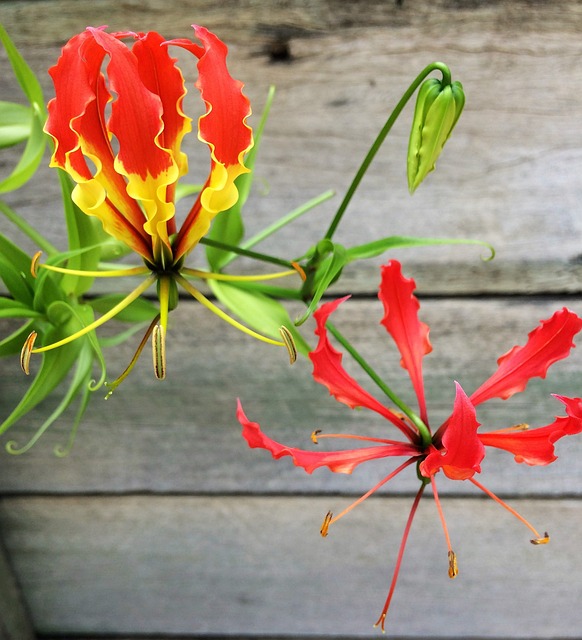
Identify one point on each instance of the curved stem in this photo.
(423, 430)
(434, 66)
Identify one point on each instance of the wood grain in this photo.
(203, 566)
(161, 522)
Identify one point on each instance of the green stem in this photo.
(434, 66)
(414, 418)
(263, 257)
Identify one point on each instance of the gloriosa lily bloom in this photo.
(456, 447)
(118, 135)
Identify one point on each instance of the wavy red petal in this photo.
(328, 371)
(225, 130)
(548, 343)
(343, 461)
(402, 323)
(536, 446)
(462, 451)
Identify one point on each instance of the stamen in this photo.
(34, 263)
(453, 568)
(299, 270)
(516, 427)
(444, 524)
(543, 540)
(329, 521)
(289, 343)
(112, 273)
(159, 351)
(212, 275)
(538, 538)
(382, 619)
(26, 352)
(204, 301)
(326, 522)
(314, 435)
(113, 385)
(103, 319)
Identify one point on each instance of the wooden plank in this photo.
(14, 621)
(232, 565)
(509, 174)
(181, 435)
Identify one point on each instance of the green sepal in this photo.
(260, 312)
(438, 108)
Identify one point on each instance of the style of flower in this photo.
(118, 135)
(456, 447)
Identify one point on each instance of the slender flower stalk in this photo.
(457, 447)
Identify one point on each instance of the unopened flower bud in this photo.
(436, 113)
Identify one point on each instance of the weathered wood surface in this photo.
(198, 565)
(15, 623)
(509, 175)
(162, 521)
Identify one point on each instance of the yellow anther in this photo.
(26, 352)
(299, 270)
(543, 540)
(159, 351)
(34, 263)
(453, 568)
(289, 343)
(314, 435)
(326, 522)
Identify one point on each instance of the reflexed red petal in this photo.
(402, 323)
(224, 129)
(462, 451)
(328, 371)
(536, 446)
(338, 461)
(546, 344)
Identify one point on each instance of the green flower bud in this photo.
(436, 113)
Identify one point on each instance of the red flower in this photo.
(119, 135)
(456, 447)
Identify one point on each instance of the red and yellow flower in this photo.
(117, 123)
(457, 447)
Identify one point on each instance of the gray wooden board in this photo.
(14, 620)
(233, 565)
(227, 543)
(181, 435)
(509, 174)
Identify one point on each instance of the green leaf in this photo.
(378, 247)
(14, 123)
(15, 271)
(80, 384)
(264, 314)
(83, 233)
(13, 343)
(54, 367)
(33, 152)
